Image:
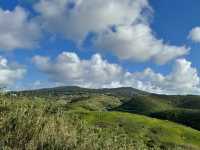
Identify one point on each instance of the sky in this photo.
(150, 45)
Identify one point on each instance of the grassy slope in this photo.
(187, 101)
(126, 100)
(153, 131)
(53, 125)
(145, 105)
(181, 109)
(184, 116)
(96, 103)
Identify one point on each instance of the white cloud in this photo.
(137, 42)
(86, 16)
(183, 79)
(96, 72)
(120, 26)
(16, 30)
(183, 75)
(9, 73)
(70, 69)
(194, 34)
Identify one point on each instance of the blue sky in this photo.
(173, 20)
(167, 61)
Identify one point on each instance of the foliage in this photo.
(44, 124)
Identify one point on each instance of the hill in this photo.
(125, 99)
(122, 116)
(42, 124)
(181, 109)
(72, 90)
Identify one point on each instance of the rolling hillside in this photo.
(126, 99)
(121, 118)
(41, 124)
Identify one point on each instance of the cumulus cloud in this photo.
(183, 79)
(121, 27)
(194, 34)
(16, 30)
(97, 72)
(76, 18)
(9, 73)
(138, 43)
(68, 68)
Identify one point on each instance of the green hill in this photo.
(180, 109)
(120, 118)
(187, 101)
(123, 99)
(74, 90)
(189, 117)
(42, 124)
(145, 105)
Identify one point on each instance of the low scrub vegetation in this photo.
(47, 124)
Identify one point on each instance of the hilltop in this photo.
(80, 118)
(177, 108)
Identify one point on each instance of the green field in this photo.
(97, 120)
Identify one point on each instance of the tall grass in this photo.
(43, 125)
(48, 125)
